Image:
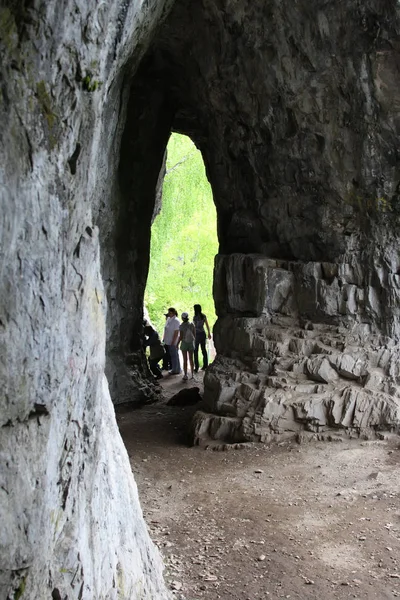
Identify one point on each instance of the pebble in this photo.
(176, 585)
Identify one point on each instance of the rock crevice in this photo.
(312, 355)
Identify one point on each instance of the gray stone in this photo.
(319, 369)
(71, 520)
(185, 397)
(298, 123)
(355, 367)
(350, 367)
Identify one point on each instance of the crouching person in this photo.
(156, 350)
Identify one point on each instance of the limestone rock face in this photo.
(295, 107)
(295, 110)
(311, 357)
(71, 524)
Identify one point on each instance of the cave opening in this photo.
(295, 109)
(183, 237)
(160, 98)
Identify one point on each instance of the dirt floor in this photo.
(319, 520)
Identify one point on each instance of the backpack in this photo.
(189, 335)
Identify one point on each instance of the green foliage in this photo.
(89, 84)
(183, 238)
(45, 103)
(21, 589)
(8, 29)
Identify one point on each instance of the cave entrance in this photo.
(157, 102)
(184, 238)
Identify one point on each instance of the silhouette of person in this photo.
(156, 350)
(199, 321)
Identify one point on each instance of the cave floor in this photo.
(319, 520)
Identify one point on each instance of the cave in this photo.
(295, 111)
(183, 240)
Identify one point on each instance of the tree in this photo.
(183, 237)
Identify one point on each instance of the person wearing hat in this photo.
(187, 334)
(171, 335)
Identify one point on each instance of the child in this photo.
(186, 340)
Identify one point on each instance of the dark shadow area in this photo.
(162, 425)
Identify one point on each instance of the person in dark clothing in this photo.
(156, 350)
(199, 321)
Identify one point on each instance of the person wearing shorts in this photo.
(187, 334)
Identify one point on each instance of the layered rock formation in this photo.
(299, 349)
(295, 107)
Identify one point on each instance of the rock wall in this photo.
(71, 524)
(300, 348)
(295, 109)
(125, 239)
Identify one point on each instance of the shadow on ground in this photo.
(320, 520)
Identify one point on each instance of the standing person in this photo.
(156, 350)
(199, 321)
(187, 334)
(166, 365)
(171, 335)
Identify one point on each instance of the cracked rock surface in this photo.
(71, 524)
(295, 110)
(280, 373)
(295, 107)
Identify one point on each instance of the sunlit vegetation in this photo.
(183, 238)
